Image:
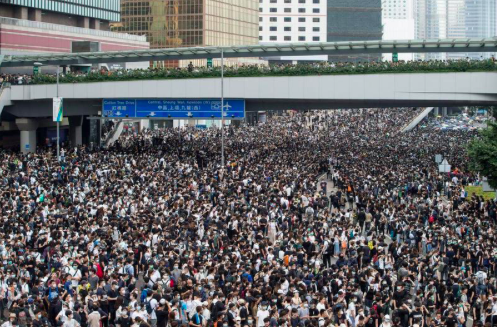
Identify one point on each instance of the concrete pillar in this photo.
(84, 22)
(95, 24)
(21, 12)
(76, 130)
(444, 111)
(37, 15)
(143, 123)
(28, 129)
(435, 112)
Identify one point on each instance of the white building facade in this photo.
(398, 23)
(292, 21)
(446, 19)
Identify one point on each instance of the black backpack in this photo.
(148, 307)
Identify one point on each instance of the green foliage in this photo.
(478, 190)
(483, 152)
(324, 68)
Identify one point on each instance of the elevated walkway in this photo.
(416, 120)
(271, 93)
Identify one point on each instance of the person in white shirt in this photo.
(205, 311)
(11, 321)
(262, 313)
(70, 321)
(154, 277)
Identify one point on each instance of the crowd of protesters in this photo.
(153, 232)
(244, 70)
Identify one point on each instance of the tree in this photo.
(483, 151)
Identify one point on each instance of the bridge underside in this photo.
(91, 107)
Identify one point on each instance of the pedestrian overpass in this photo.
(27, 107)
(268, 93)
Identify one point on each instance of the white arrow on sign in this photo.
(189, 114)
(118, 113)
(225, 114)
(152, 114)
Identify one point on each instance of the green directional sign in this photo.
(209, 62)
(36, 70)
(395, 57)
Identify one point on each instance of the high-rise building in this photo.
(396, 9)
(446, 19)
(77, 13)
(292, 21)
(398, 23)
(29, 27)
(188, 23)
(354, 20)
(285, 21)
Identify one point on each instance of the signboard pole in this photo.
(58, 123)
(222, 109)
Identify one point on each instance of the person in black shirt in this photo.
(124, 320)
(416, 317)
(112, 295)
(451, 320)
(243, 312)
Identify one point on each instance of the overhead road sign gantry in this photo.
(259, 50)
(173, 108)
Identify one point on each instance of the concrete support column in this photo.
(28, 129)
(143, 123)
(76, 130)
(95, 24)
(444, 111)
(84, 22)
(37, 15)
(21, 12)
(435, 111)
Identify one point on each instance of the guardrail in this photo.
(71, 29)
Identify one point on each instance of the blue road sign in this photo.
(173, 109)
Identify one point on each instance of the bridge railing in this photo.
(274, 71)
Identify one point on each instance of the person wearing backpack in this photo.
(197, 319)
(150, 305)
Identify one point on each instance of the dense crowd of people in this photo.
(244, 70)
(154, 232)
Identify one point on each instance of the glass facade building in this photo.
(189, 23)
(108, 10)
(186, 23)
(354, 20)
(446, 19)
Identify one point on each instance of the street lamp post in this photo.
(58, 123)
(222, 109)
